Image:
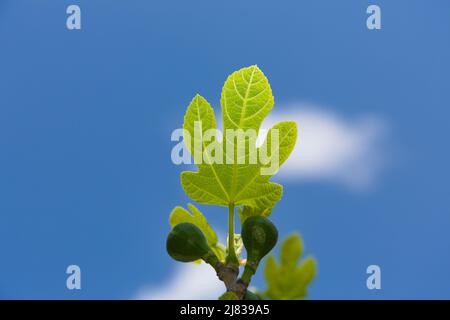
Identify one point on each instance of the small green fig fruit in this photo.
(259, 236)
(187, 243)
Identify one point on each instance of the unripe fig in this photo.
(259, 236)
(187, 243)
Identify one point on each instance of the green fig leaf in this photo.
(246, 100)
(288, 280)
(246, 212)
(291, 250)
(271, 270)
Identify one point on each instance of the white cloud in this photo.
(332, 148)
(189, 281)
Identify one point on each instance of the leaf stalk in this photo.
(231, 257)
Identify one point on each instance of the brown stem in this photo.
(228, 273)
(239, 288)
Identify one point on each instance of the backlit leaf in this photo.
(288, 280)
(246, 101)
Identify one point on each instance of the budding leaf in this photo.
(291, 250)
(238, 244)
(180, 215)
(246, 100)
(288, 280)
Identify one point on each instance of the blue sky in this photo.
(86, 116)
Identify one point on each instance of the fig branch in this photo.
(246, 100)
(187, 243)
